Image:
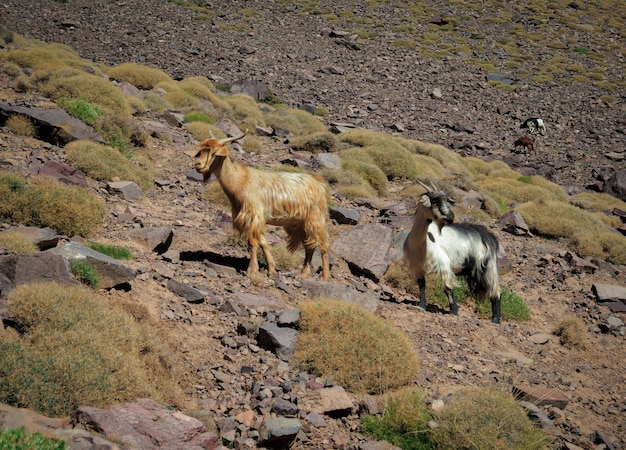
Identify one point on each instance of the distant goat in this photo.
(295, 201)
(534, 125)
(525, 142)
(437, 245)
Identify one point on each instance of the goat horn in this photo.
(425, 187)
(234, 138)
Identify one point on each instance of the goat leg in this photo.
(306, 266)
(421, 282)
(253, 265)
(271, 264)
(454, 307)
(495, 309)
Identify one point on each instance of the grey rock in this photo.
(279, 340)
(189, 293)
(157, 239)
(128, 190)
(112, 272)
(345, 216)
(366, 248)
(279, 432)
(39, 267)
(324, 289)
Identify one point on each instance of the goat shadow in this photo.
(430, 307)
(238, 263)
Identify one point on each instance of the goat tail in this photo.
(484, 279)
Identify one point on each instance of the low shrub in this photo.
(322, 142)
(102, 162)
(572, 332)
(46, 202)
(297, 121)
(75, 348)
(482, 417)
(403, 422)
(355, 348)
(138, 75)
(20, 125)
(17, 243)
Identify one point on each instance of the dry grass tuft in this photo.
(15, 242)
(572, 332)
(357, 349)
(21, 125)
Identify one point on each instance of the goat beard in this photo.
(206, 176)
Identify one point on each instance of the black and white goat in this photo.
(534, 125)
(437, 245)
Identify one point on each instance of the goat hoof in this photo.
(495, 320)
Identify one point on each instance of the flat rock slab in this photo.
(541, 396)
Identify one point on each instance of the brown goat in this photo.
(294, 201)
(525, 142)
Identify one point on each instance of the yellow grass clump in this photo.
(572, 332)
(102, 162)
(296, 121)
(143, 77)
(362, 352)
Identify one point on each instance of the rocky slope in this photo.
(376, 86)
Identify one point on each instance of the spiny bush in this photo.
(21, 125)
(36, 55)
(368, 170)
(77, 84)
(18, 243)
(75, 348)
(587, 233)
(572, 332)
(18, 439)
(244, 111)
(296, 121)
(176, 96)
(597, 201)
(46, 202)
(322, 142)
(522, 190)
(481, 417)
(403, 422)
(138, 75)
(102, 162)
(349, 183)
(354, 347)
(199, 86)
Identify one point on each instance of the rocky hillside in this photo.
(189, 274)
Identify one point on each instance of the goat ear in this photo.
(221, 151)
(425, 200)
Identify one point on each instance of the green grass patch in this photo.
(357, 349)
(403, 422)
(85, 272)
(198, 117)
(114, 251)
(18, 439)
(81, 109)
